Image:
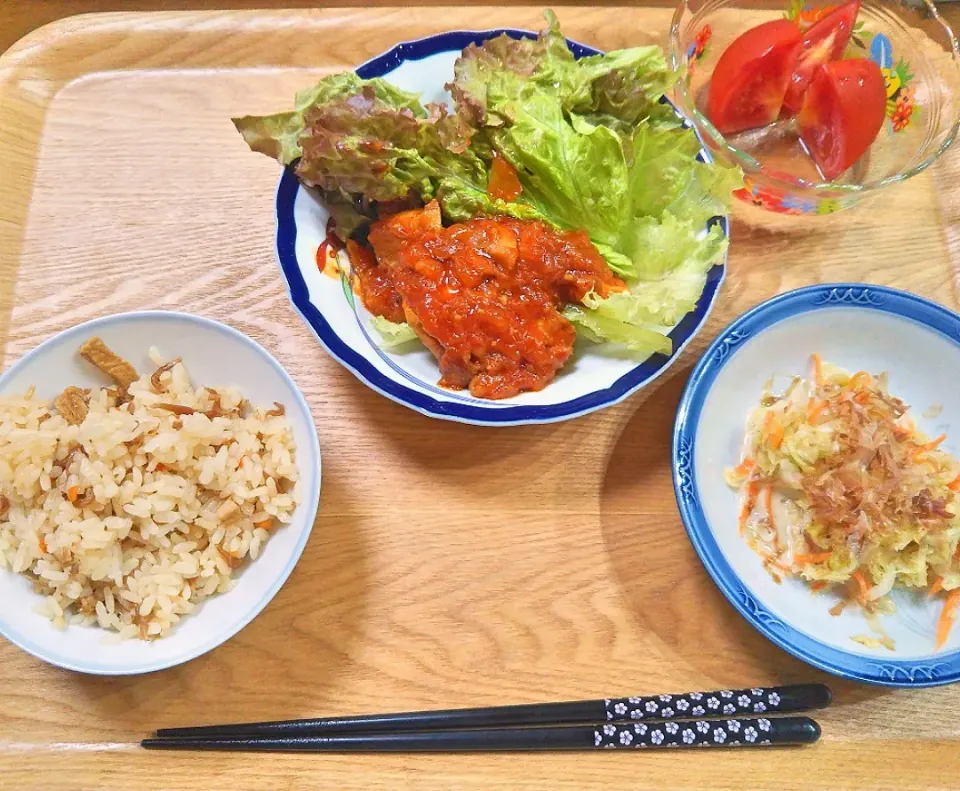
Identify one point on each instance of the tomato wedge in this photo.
(822, 43)
(752, 75)
(842, 113)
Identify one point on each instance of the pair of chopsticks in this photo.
(694, 719)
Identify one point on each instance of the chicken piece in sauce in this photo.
(484, 295)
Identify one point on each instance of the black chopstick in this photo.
(720, 703)
(752, 732)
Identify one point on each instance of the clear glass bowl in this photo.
(917, 53)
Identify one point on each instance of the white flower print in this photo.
(719, 735)
(633, 701)
(666, 698)
(636, 714)
(774, 699)
(726, 694)
(696, 695)
(763, 724)
(609, 746)
(743, 700)
(626, 737)
(765, 742)
(597, 738)
(735, 742)
(666, 712)
(682, 705)
(733, 726)
(672, 744)
(651, 706)
(703, 727)
(641, 729)
(713, 703)
(729, 708)
(697, 711)
(620, 708)
(671, 727)
(688, 736)
(758, 707)
(750, 734)
(657, 737)
(756, 691)
(609, 730)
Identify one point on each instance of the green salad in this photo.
(593, 146)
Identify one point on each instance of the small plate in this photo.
(214, 354)
(596, 376)
(856, 327)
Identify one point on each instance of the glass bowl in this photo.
(918, 56)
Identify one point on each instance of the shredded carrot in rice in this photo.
(817, 369)
(936, 587)
(72, 493)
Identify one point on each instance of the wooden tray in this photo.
(451, 565)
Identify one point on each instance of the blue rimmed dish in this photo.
(595, 377)
(857, 327)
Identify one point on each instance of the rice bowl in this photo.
(186, 546)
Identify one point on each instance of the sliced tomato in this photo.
(822, 43)
(842, 113)
(751, 77)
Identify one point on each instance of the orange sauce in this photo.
(327, 251)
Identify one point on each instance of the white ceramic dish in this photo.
(595, 377)
(859, 328)
(216, 355)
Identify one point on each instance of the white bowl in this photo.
(596, 376)
(859, 328)
(215, 355)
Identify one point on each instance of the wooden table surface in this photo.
(450, 565)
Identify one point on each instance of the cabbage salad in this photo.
(839, 488)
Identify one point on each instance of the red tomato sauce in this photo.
(484, 296)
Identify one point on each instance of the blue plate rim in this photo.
(298, 293)
(311, 498)
(935, 670)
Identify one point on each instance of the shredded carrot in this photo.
(748, 464)
(934, 442)
(243, 460)
(954, 485)
(860, 377)
(817, 369)
(814, 410)
(265, 524)
(773, 429)
(947, 616)
(936, 587)
(161, 467)
(43, 545)
(72, 493)
(819, 557)
(819, 585)
(862, 396)
(861, 584)
(748, 504)
(837, 608)
(768, 504)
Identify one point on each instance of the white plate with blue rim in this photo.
(859, 328)
(594, 378)
(215, 355)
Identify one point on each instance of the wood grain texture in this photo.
(451, 565)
